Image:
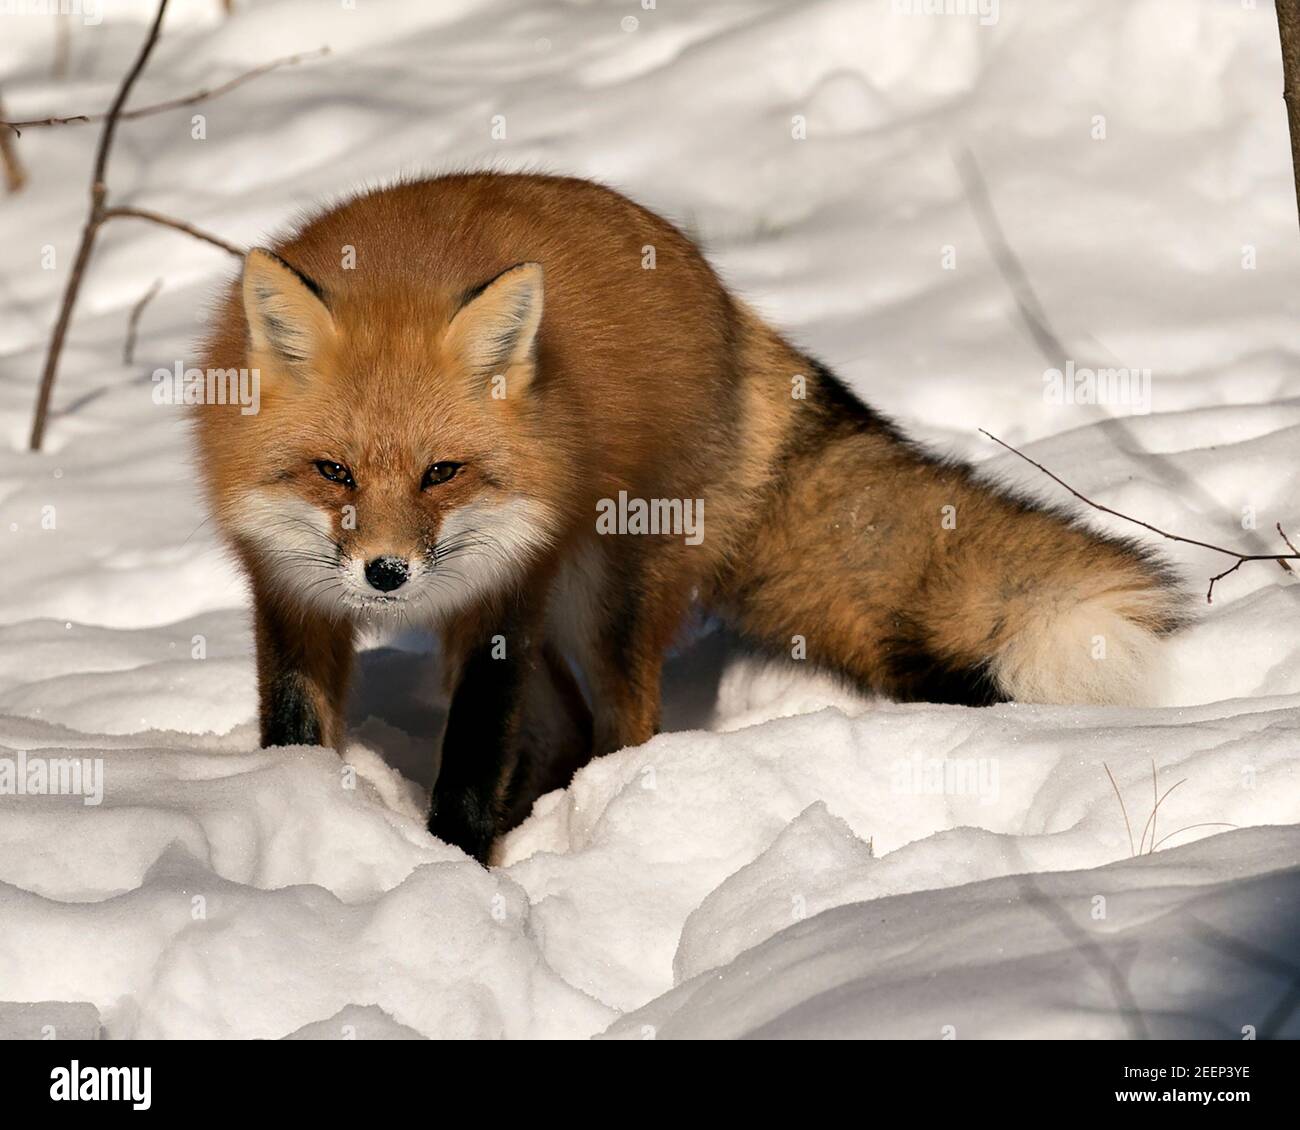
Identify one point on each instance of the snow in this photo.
(1163, 948)
(787, 858)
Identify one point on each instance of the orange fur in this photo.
(513, 326)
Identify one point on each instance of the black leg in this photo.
(288, 715)
(302, 675)
(479, 750)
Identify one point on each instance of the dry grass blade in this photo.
(1151, 820)
(1189, 827)
(1127, 826)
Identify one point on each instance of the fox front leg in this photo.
(627, 664)
(480, 750)
(303, 663)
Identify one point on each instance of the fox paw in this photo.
(462, 818)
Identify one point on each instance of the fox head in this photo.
(394, 465)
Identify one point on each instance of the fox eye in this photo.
(440, 473)
(335, 472)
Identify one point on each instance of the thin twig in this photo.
(177, 225)
(1282, 534)
(172, 103)
(15, 174)
(128, 347)
(1209, 593)
(1288, 27)
(98, 190)
(1242, 558)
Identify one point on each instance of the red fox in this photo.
(475, 388)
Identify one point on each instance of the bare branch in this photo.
(1242, 558)
(1288, 26)
(172, 103)
(15, 174)
(100, 213)
(176, 225)
(1282, 534)
(1209, 593)
(98, 190)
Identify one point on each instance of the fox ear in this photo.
(286, 315)
(496, 326)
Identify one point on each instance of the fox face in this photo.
(388, 466)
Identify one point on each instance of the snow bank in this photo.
(1179, 947)
(789, 859)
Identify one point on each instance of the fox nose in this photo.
(387, 573)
